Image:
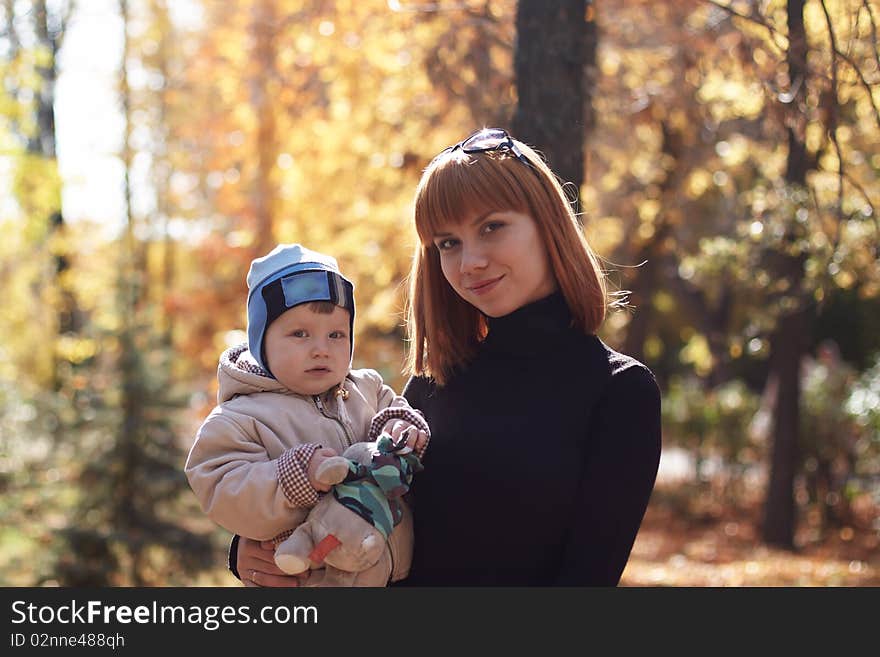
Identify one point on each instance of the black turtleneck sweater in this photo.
(543, 455)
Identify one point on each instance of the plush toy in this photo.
(347, 531)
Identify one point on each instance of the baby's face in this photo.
(309, 352)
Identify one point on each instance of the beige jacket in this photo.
(232, 465)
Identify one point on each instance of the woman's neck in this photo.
(535, 326)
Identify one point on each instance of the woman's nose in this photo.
(472, 258)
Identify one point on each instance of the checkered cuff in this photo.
(411, 415)
(292, 468)
(283, 535)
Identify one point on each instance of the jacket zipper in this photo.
(325, 413)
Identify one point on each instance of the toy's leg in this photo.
(292, 554)
(376, 575)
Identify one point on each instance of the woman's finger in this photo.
(248, 580)
(251, 552)
(256, 565)
(253, 555)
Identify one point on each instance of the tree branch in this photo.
(64, 21)
(755, 18)
(867, 85)
(426, 7)
(867, 6)
(832, 123)
(867, 198)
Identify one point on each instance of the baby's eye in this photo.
(338, 335)
(299, 333)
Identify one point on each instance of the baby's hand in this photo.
(415, 439)
(320, 456)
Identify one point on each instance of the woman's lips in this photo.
(484, 287)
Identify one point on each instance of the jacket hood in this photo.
(239, 374)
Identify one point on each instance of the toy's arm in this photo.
(340, 469)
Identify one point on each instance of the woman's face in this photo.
(496, 262)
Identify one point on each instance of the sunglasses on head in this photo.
(489, 139)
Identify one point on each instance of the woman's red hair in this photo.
(443, 329)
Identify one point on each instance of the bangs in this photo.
(457, 186)
(323, 307)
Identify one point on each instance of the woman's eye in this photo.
(492, 226)
(446, 244)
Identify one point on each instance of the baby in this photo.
(288, 400)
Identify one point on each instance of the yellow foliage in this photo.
(737, 151)
(75, 350)
(653, 347)
(699, 181)
(649, 209)
(664, 302)
(697, 354)
(604, 233)
(313, 123)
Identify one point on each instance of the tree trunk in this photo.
(779, 509)
(42, 143)
(650, 275)
(162, 166)
(555, 46)
(132, 279)
(265, 20)
(787, 344)
(645, 281)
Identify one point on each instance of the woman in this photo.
(545, 442)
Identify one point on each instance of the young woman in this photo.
(545, 442)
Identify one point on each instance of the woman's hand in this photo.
(256, 565)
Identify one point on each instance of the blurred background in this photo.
(723, 155)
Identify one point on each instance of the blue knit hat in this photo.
(288, 276)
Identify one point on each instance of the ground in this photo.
(694, 544)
